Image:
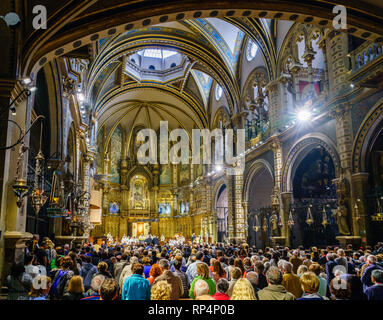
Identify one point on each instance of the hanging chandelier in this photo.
(57, 207)
(20, 187)
(38, 197)
(309, 217)
(256, 226)
(290, 222)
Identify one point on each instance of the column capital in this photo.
(360, 176)
(339, 110)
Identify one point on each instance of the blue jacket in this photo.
(374, 292)
(136, 287)
(87, 272)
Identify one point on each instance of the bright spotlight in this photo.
(80, 97)
(218, 168)
(303, 115)
(26, 81)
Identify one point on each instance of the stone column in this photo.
(240, 219)
(287, 198)
(359, 186)
(275, 106)
(229, 181)
(337, 44)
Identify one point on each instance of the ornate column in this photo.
(239, 215)
(275, 106)
(340, 110)
(337, 44)
(359, 186)
(323, 47)
(229, 181)
(286, 198)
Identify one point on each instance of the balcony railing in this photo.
(364, 55)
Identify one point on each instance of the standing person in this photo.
(218, 271)
(375, 292)
(155, 272)
(222, 288)
(296, 260)
(235, 275)
(147, 266)
(40, 289)
(75, 289)
(259, 268)
(274, 290)
(290, 280)
(119, 266)
(203, 274)
(103, 269)
(243, 290)
(19, 283)
(310, 286)
(315, 267)
(366, 276)
(182, 275)
(330, 265)
(191, 271)
(88, 270)
(109, 290)
(61, 280)
(136, 287)
(168, 276)
(161, 290)
(31, 269)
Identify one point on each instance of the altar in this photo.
(140, 229)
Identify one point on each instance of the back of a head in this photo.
(309, 282)
(161, 290)
(287, 266)
(377, 274)
(199, 255)
(236, 273)
(372, 259)
(243, 290)
(252, 277)
(201, 288)
(96, 282)
(222, 285)
(109, 289)
(315, 267)
(138, 268)
(164, 264)
(274, 275)
(259, 266)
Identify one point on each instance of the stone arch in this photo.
(366, 132)
(300, 149)
(253, 169)
(39, 49)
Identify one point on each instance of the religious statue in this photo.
(274, 224)
(341, 219)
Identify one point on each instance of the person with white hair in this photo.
(371, 266)
(290, 280)
(253, 278)
(201, 288)
(95, 285)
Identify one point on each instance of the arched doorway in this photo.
(259, 194)
(374, 196)
(221, 207)
(315, 199)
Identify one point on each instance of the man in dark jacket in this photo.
(375, 292)
(87, 272)
(366, 277)
(330, 265)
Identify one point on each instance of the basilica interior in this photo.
(309, 97)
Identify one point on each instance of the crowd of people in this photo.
(195, 271)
